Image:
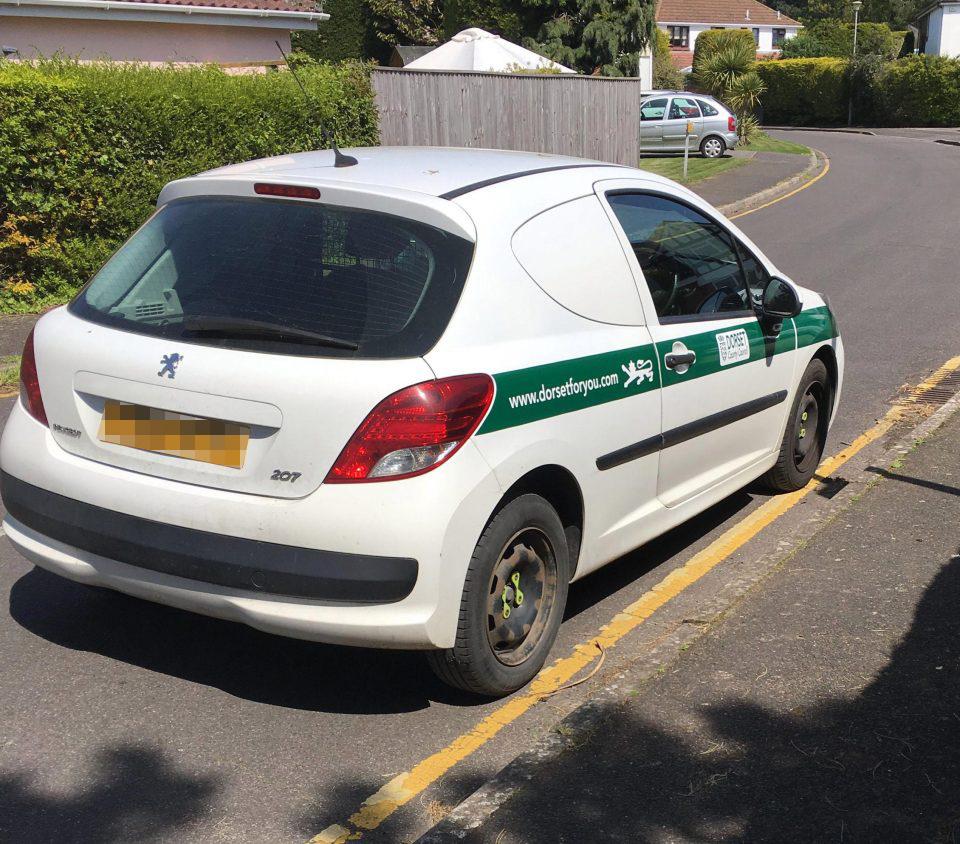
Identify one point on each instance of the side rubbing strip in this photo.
(675, 436)
(631, 452)
(453, 194)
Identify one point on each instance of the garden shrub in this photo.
(804, 92)
(922, 91)
(711, 41)
(85, 150)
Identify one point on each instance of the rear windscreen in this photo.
(376, 285)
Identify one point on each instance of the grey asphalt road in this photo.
(127, 721)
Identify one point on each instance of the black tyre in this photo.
(806, 433)
(712, 147)
(513, 601)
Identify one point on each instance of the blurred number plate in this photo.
(165, 432)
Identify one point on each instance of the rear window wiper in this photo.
(239, 327)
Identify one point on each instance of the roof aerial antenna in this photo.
(339, 159)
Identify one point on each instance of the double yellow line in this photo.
(378, 807)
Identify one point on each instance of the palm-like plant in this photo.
(729, 74)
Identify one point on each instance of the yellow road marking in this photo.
(804, 186)
(378, 807)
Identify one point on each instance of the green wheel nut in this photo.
(518, 599)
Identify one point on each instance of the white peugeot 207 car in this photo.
(405, 403)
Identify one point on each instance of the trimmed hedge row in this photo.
(85, 149)
(914, 91)
(804, 92)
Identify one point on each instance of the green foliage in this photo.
(912, 91)
(503, 17)
(594, 36)
(406, 21)
(345, 36)
(666, 75)
(804, 92)
(834, 38)
(714, 40)
(922, 91)
(722, 67)
(85, 149)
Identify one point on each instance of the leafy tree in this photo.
(666, 75)
(407, 21)
(594, 36)
(835, 38)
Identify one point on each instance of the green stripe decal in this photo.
(539, 392)
(552, 389)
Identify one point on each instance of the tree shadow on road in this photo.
(883, 766)
(133, 794)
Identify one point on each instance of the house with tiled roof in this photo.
(233, 33)
(684, 20)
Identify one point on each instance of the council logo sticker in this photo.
(733, 346)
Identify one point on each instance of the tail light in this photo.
(414, 430)
(30, 383)
(731, 123)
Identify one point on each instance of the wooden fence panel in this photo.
(586, 116)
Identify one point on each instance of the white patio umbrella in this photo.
(477, 49)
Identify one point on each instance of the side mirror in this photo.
(779, 302)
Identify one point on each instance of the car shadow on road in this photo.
(132, 794)
(286, 672)
(883, 765)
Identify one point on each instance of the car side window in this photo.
(707, 109)
(690, 263)
(653, 110)
(683, 108)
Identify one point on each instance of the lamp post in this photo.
(857, 4)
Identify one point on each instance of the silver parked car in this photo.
(664, 117)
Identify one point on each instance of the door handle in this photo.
(675, 359)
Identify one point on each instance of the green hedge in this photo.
(84, 151)
(804, 92)
(922, 91)
(912, 91)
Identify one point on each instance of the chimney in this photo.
(778, 14)
(747, 14)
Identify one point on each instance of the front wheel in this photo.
(712, 147)
(806, 434)
(513, 601)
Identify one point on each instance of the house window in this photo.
(779, 36)
(756, 36)
(679, 36)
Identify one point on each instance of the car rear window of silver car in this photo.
(282, 276)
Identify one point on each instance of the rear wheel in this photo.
(806, 434)
(712, 147)
(513, 601)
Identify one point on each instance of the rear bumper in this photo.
(285, 566)
(215, 559)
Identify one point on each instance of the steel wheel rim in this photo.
(806, 446)
(528, 555)
(712, 148)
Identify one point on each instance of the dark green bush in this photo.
(666, 75)
(835, 38)
(922, 91)
(85, 149)
(804, 92)
(711, 41)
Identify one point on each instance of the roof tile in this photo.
(263, 5)
(720, 11)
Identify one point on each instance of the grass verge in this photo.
(699, 169)
(9, 373)
(762, 142)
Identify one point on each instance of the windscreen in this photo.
(282, 276)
